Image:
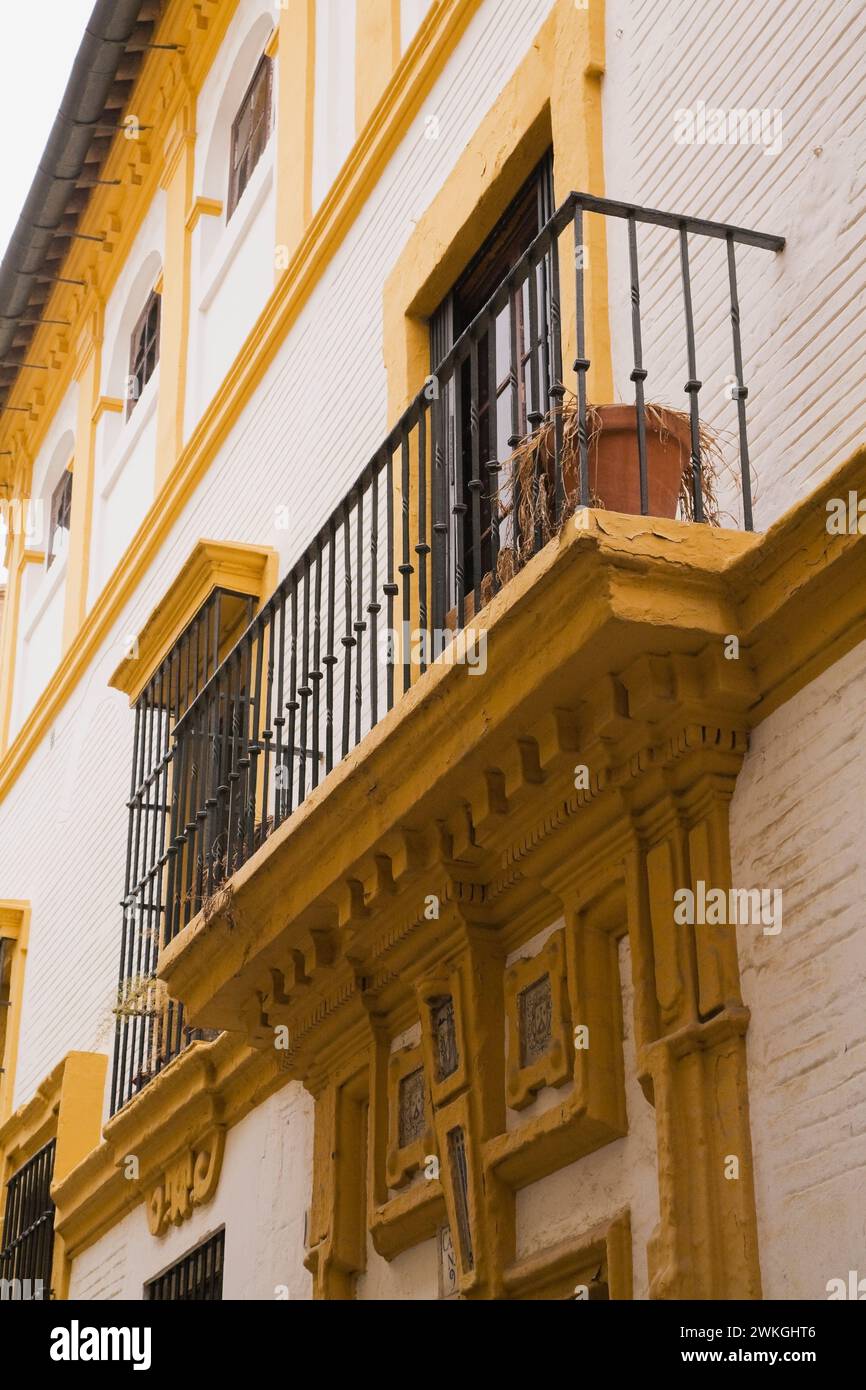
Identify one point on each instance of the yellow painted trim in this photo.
(272, 47)
(202, 207)
(88, 373)
(9, 635)
(15, 926)
(106, 405)
(418, 70)
(553, 97)
(177, 181)
(296, 73)
(377, 53)
(247, 569)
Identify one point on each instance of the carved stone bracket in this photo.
(189, 1181)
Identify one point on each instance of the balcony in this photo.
(485, 518)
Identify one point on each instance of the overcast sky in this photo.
(39, 40)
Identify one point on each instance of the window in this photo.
(521, 350)
(61, 512)
(176, 860)
(198, 1277)
(143, 351)
(250, 132)
(27, 1252)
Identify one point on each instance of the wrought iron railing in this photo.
(475, 477)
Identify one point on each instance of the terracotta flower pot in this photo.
(614, 474)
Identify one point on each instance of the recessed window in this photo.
(250, 132)
(197, 1278)
(143, 351)
(61, 513)
(27, 1247)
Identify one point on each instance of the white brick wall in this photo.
(798, 822)
(802, 311)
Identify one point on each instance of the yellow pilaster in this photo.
(296, 45)
(377, 53)
(87, 373)
(177, 181)
(14, 926)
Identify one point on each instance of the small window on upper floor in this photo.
(61, 513)
(143, 351)
(250, 131)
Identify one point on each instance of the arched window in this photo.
(250, 131)
(143, 350)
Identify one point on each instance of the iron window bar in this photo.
(307, 679)
(27, 1249)
(196, 1278)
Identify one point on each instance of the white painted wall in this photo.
(125, 453)
(334, 106)
(798, 822)
(232, 260)
(43, 594)
(261, 1200)
(802, 311)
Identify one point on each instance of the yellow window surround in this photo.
(14, 932)
(67, 1107)
(244, 569)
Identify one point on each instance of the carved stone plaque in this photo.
(536, 1015)
(445, 1036)
(411, 1122)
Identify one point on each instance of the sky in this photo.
(39, 40)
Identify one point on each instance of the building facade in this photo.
(434, 656)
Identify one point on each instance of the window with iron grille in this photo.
(27, 1252)
(499, 404)
(197, 1278)
(143, 350)
(175, 857)
(250, 132)
(61, 516)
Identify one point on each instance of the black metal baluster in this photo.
(692, 386)
(292, 704)
(347, 639)
(475, 483)
(459, 506)
(741, 391)
(360, 624)
(305, 691)
(581, 361)
(422, 549)
(267, 732)
(516, 435)
(438, 506)
(534, 416)
(316, 673)
(279, 717)
(374, 607)
(556, 390)
(255, 746)
(330, 660)
(389, 588)
(493, 468)
(406, 568)
(638, 373)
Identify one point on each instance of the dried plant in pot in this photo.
(529, 475)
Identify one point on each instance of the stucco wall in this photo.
(261, 1199)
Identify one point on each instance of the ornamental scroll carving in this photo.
(188, 1181)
